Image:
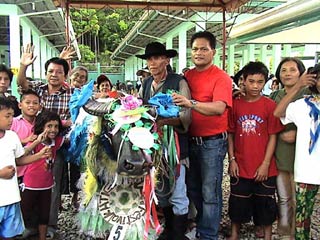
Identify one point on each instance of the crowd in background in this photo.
(266, 124)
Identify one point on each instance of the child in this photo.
(6, 79)
(252, 140)
(304, 113)
(23, 124)
(38, 177)
(11, 153)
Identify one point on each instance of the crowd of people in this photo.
(270, 139)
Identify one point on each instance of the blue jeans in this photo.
(178, 198)
(204, 182)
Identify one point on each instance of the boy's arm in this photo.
(7, 172)
(233, 165)
(263, 169)
(44, 153)
(28, 139)
(26, 60)
(30, 147)
(304, 81)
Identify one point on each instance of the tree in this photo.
(85, 21)
(102, 31)
(87, 56)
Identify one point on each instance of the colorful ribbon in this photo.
(149, 194)
(313, 102)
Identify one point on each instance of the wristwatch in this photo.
(193, 103)
(232, 159)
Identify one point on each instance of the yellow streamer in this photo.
(90, 186)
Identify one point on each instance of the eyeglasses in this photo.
(202, 50)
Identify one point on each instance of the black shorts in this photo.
(36, 201)
(253, 200)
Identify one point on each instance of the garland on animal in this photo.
(121, 160)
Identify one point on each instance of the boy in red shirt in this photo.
(252, 140)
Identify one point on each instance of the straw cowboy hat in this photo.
(157, 49)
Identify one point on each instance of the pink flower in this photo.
(130, 102)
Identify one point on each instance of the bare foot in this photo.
(259, 232)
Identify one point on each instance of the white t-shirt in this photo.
(306, 166)
(267, 88)
(10, 149)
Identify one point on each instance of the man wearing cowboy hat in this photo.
(175, 203)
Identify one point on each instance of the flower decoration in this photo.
(131, 118)
(130, 102)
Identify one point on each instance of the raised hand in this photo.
(67, 53)
(42, 136)
(27, 57)
(307, 80)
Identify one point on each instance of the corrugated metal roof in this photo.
(45, 16)
(204, 5)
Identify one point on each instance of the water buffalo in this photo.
(119, 161)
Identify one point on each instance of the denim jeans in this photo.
(178, 198)
(204, 181)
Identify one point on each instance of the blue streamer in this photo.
(79, 98)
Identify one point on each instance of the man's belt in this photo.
(200, 140)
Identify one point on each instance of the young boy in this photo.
(5, 82)
(23, 124)
(252, 140)
(11, 153)
(304, 113)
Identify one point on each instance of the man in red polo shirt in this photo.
(211, 91)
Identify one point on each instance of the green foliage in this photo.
(101, 31)
(236, 67)
(104, 56)
(85, 20)
(86, 54)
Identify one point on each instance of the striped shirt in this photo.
(57, 102)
